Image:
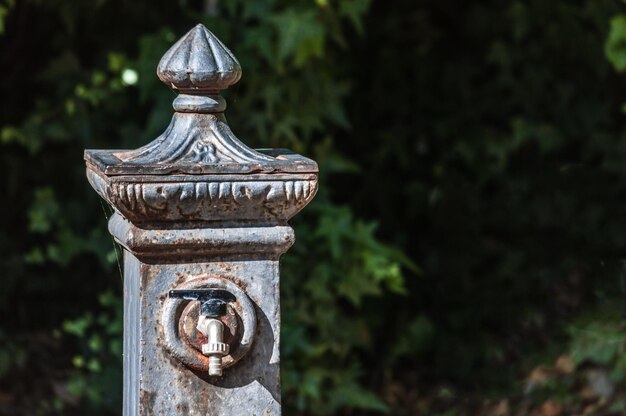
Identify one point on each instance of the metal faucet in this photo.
(215, 348)
(213, 303)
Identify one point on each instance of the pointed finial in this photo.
(199, 66)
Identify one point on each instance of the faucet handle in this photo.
(212, 301)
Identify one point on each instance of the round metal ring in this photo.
(182, 350)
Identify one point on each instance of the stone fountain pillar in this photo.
(203, 220)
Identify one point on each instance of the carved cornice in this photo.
(242, 199)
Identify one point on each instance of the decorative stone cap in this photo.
(198, 170)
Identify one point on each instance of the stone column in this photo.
(197, 209)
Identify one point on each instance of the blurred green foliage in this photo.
(472, 196)
(99, 357)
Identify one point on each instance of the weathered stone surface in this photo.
(198, 209)
(157, 383)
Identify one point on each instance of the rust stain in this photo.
(147, 401)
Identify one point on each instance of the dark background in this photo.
(464, 253)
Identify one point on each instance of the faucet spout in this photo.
(215, 347)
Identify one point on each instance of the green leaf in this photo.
(300, 35)
(5, 8)
(44, 211)
(354, 10)
(416, 337)
(353, 395)
(615, 46)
